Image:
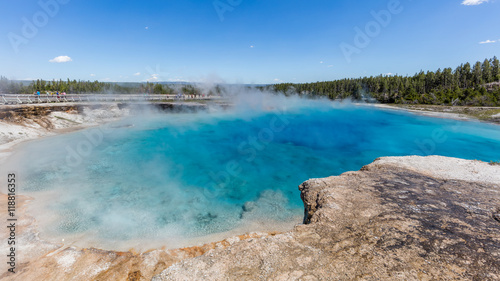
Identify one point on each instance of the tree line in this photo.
(69, 86)
(85, 87)
(467, 84)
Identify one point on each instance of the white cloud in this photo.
(92, 74)
(473, 2)
(487, 42)
(331, 65)
(321, 62)
(137, 74)
(252, 46)
(177, 79)
(60, 59)
(153, 78)
(277, 80)
(155, 74)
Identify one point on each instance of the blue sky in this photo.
(241, 41)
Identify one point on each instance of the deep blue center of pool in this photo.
(190, 175)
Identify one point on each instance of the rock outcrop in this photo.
(404, 218)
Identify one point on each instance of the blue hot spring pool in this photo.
(181, 179)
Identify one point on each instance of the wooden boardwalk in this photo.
(34, 99)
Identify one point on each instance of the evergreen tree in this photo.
(495, 69)
(477, 75)
(487, 71)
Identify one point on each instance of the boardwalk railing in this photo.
(33, 99)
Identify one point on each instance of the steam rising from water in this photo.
(179, 179)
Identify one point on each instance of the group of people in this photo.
(51, 93)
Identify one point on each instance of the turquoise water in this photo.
(178, 177)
